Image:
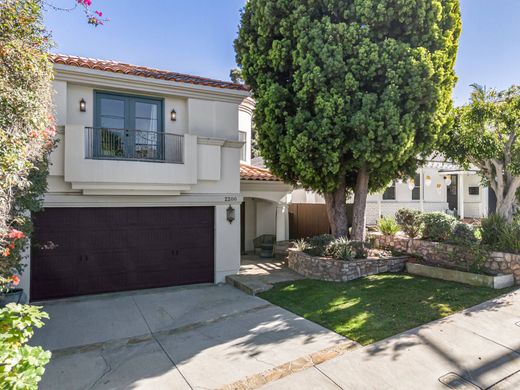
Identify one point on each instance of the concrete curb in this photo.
(294, 366)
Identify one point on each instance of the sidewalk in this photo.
(478, 348)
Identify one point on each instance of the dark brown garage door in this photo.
(115, 249)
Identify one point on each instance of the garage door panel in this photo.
(98, 283)
(54, 267)
(116, 249)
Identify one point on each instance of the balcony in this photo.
(133, 145)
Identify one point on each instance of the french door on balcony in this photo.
(127, 127)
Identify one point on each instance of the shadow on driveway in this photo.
(191, 337)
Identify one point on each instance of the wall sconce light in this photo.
(82, 105)
(438, 187)
(230, 214)
(447, 180)
(428, 180)
(411, 184)
(399, 181)
(173, 115)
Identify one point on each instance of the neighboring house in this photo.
(438, 186)
(144, 188)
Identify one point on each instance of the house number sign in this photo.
(230, 198)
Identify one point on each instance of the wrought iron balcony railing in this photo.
(141, 145)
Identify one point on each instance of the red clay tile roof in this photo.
(249, 172)
(143, 71)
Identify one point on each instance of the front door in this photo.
(452, 193)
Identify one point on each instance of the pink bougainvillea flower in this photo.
(50, 131)
(34, 134)
(100, 14)
(15, 279)
(16, 234)
(11, 245)
(7, 252)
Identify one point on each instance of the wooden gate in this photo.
(306, 220)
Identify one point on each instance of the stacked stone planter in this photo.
(449, 255)
(324, 268)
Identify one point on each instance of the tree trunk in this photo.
(505, 190)
(336, 204)
(360, 205)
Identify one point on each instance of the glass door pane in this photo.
(148, 137)
(109, 134)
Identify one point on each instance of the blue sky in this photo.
(196, 37)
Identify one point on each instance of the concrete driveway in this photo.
(179, 338)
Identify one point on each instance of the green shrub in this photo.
(21, 365)
(321, 240)
(410, 222)
(314, 246)
(499, 235)
(463, 234)
(438, 226)
(340, 249)
(388, 226)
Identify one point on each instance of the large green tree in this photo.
(349, 93)
(486, 134)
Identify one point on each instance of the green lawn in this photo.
(373, 308)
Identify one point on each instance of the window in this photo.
(474, 190)
(242, 136)
(389, 193)
(127, 127)
(416, 192)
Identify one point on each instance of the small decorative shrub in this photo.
(21, 365)
(438, 226)
(359, 249)
(410, 222)
(497, 234)
(301, 245)
(388, 226)
(463, 234)
(340, 249)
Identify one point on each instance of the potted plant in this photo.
(8, 291)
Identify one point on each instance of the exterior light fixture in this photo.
(447, 180)
(82, 105)
(428, 180)
(400, 181)
(411, 184)
(230, 214)
(173, 115)
(438, 187)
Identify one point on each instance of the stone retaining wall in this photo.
(324, 268)
(450, 255)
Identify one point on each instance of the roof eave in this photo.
(103, 79)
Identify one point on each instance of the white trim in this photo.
(78, 200)
(105, 79)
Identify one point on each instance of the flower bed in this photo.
(450, 255)
(329, 269)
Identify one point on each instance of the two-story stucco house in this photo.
(144, 186)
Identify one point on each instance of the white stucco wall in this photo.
(227, 243)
